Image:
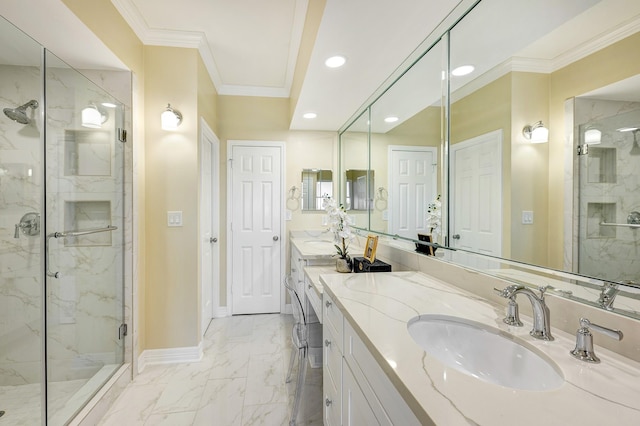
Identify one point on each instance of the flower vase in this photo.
(342, 265)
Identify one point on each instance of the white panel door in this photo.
(209, 224)
(476, 192)
(412, 186)
(256, 199)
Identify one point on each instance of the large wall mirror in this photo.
(569, 206)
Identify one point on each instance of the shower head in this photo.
(19, 114)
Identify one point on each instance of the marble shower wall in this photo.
(609, 190)
(21, 177)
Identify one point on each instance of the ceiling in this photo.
(251, 47)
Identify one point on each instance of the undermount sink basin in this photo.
(484, 352)
(319, 242)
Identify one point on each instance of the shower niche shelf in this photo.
(598, 213)
(79, 215)
(87, 153)
(601, 165)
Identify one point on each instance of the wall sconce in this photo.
(93, 118)
(170, 118)
(536, 133)
(592, 136)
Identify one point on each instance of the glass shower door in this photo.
(21, 234)
(84, 239)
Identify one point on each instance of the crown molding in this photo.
(597, 43)
(197, 40)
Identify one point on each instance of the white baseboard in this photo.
(169, 356)
(221, 311)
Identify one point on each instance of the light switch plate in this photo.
(174, 218)
(527, 217)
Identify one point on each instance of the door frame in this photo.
(254, 143)
(207, 134)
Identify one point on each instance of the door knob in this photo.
(456, 236)
(213, 240)
(275, 238)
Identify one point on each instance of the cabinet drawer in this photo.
(332, 318)
(313, 299)
(331, 403)
(332, 357)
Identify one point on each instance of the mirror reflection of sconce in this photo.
(170, 118)
(536, 133)
(93, 118)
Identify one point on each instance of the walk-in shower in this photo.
(19, 114)
(607, 243)
(62, 244)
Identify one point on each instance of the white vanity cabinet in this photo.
(298, 261)
(356, 389)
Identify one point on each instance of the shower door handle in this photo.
(64, 234)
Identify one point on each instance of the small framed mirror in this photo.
(316, 184)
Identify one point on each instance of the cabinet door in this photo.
(355, 408)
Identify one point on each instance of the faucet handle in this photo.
(584, 340)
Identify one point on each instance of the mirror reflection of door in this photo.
(316, 184)
(476, 193)
(412, 183)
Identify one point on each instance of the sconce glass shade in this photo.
(592, 136)
(170, 118)
(92, 118)
(536, 133)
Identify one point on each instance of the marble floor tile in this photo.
(240, 381)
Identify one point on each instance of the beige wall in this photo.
(529, 169)
(171, 308)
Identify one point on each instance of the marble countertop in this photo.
(314, 248)
(379, 305)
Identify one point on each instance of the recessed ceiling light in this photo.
(391, 119)
(463, 70)
(335, 61)
(309, 115)
(627, 129)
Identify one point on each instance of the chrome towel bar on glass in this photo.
(628, 225)
(65, 234)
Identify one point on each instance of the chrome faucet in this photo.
(607, 295)
(541, 314)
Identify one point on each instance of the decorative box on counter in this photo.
(360, 264)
